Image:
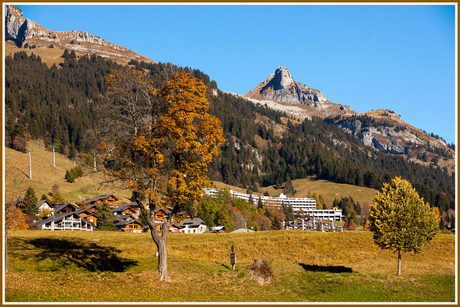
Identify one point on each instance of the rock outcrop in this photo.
(25, 33)
(282, 92)
(384, 130)
(281, 87)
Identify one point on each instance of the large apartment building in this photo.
(308, 205)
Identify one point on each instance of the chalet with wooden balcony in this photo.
(88, 215)
(110, 199)
(64, 208)
(64, 221)
(128, 210)
(127, 223)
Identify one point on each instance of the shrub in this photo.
(73, 174)
(263, 268)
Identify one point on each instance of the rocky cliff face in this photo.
(25, 33)
(385, 131)
(281, 87)
(282, 92)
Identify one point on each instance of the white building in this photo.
(189, 225)
(308, 205)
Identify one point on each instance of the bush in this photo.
(73, 174)
(263, 269)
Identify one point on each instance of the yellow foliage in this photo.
(15, 219)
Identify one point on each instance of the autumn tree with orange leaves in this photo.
(159, 142)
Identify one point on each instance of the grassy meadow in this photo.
(45, 175)
(99, 266)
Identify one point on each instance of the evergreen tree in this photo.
(288, 188)
(260, 204)
(106, 219)
(30, 202)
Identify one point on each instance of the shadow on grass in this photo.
(321, 268)
(70, 252)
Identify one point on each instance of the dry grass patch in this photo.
(45, 175)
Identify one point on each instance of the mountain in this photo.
(282, 92)
(27, 34)
(267, 143)
(383, 130)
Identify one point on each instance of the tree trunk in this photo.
(162, 260)
(399, 263)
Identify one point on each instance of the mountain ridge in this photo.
(382, 129)
(25, 33)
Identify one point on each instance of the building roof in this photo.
(191, 223)
(55, 218)
(127, 222)
(99, 197)
(242, 230)
(58, 207)
(41, 202)
(126, 217)
(122, 209)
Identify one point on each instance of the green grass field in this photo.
(309, 267)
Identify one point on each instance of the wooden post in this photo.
(233, 258)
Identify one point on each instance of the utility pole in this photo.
(54, 159)
(30, 164)
(94, 160)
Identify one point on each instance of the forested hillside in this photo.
(264, 147)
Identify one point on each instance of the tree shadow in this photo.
(69, 252)
(321, 268)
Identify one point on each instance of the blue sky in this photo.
(397, 57)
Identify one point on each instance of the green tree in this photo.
(400, 219)
(57, 198)
(105, 215)
(260, 204)
(288, 188)
(30, 202)
(224, 218)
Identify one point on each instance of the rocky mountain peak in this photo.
(281, 87)
(282, 79)
(25, 33)
(280, 91)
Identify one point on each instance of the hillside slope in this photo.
(45, 175)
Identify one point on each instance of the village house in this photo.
(64, 221)
(64, 208)
(44, 205)
(127, 223)
(88, 215)
(110, 199)
(128, 210)
(219, 229)
(195, 225)
(172, 228)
